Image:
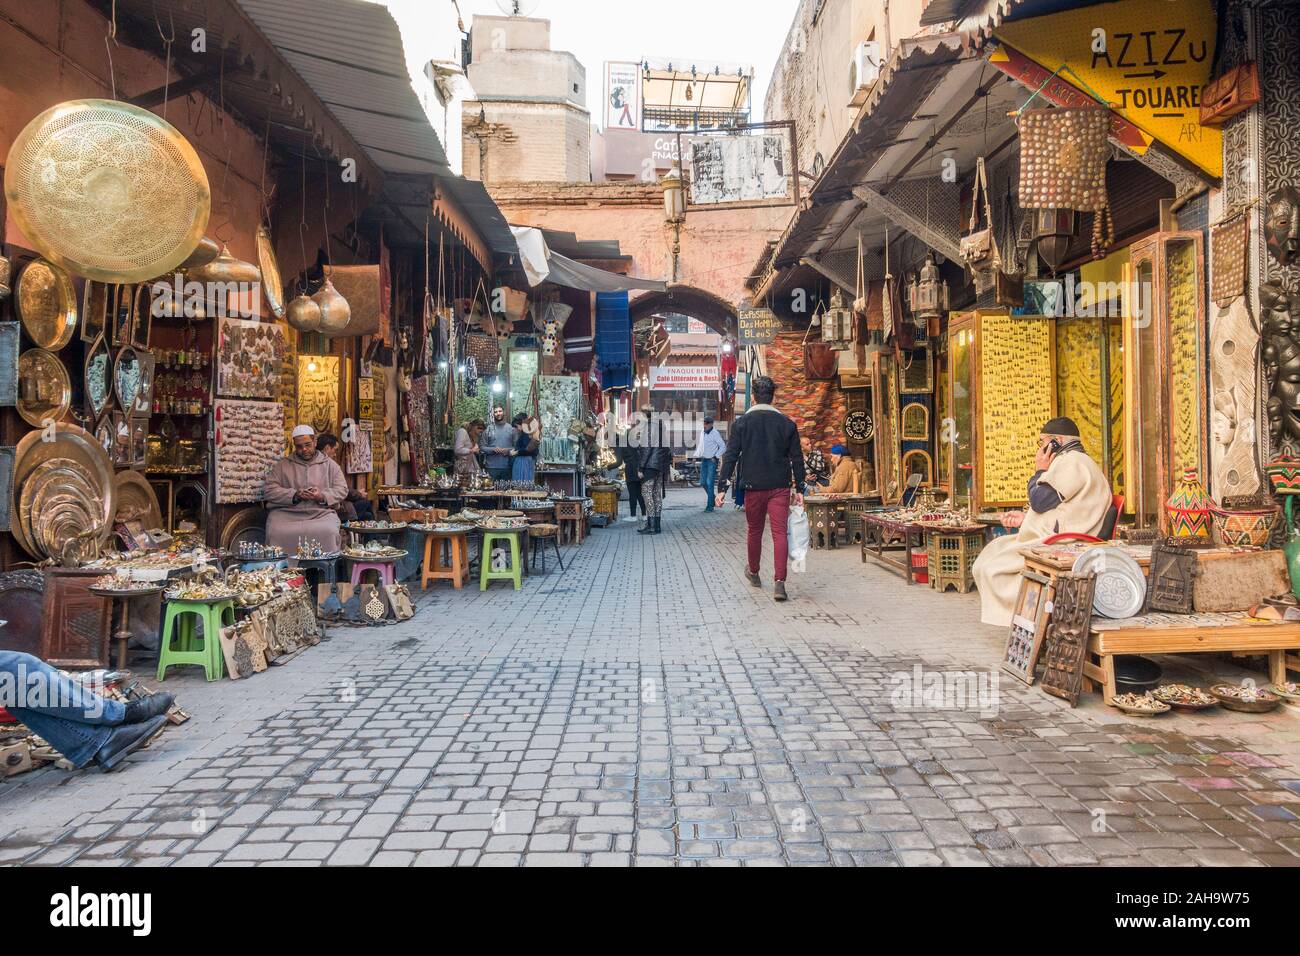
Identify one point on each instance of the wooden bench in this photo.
(1231, 632)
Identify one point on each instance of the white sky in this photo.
(748, 32)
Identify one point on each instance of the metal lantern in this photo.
(929, 293)
(1053, 230)
(837, 323)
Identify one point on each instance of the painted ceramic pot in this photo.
(1189, 508)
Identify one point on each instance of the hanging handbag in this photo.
(979, 247)
(820, 362)
(1234, 92)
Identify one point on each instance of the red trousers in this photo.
(773, 503)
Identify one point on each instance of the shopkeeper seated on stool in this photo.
(1068, 493)
(846, 472)
(301, 492)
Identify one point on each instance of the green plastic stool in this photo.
(486, 573)
(190, 648)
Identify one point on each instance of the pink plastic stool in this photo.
(384, 569)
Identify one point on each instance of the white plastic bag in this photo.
(798, 536)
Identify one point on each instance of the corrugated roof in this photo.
(350, 53)
(471, 196)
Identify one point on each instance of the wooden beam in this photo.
(180, 88)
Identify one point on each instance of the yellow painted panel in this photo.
(1017, 396)
(1078, 387)
(1147, 59)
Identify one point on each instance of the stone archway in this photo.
(713, 311)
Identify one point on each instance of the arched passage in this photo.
(713, 311)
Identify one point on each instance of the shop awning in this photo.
(542, 264)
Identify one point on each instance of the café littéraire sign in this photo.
(756, 326)
(1148, 59)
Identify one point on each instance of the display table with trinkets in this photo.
(884, 532)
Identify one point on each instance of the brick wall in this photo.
(529, 142)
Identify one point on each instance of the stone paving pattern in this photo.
(647, 707)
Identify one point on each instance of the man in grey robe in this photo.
(301, 492)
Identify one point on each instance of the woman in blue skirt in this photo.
(523, 464)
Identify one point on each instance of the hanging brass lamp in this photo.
(334, 309)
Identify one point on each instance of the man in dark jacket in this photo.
(656, 460)
(767, 459)
(630, 458)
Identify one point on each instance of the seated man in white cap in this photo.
(301, 492)
(1068, 493)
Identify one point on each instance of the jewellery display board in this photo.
(249, 442)
(885, 412)
(1007, 366)
(318, 392)
(1079, 381)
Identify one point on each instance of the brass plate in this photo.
(272, 284)
(73, 442)
(107, 190)
(47, 304)
(44, 388)
(136, 499)
(57, 487)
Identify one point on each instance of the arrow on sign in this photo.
(1154, 75)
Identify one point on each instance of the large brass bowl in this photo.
(107, 190)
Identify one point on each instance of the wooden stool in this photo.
(539, 534)
(446, 558)
(568, 515)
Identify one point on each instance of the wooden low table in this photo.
(1187, 634)
(879, 532)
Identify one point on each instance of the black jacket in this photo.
(654, 460)
(764, 452)
(630, 459)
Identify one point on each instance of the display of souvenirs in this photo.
(180, 392)
(1140, 705)
(358, 455)
(1246, 697)
(249, 440)
(372, 551)
(310, 549)
(1184, 696)
(249, 354)
(201, 591)
(256, 551)
(180, 456)
(122, 582)
(376, 525)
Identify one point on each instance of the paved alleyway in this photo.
(647, 706)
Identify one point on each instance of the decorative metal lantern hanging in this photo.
(928, 294)
(1053, 230)
(837, 323)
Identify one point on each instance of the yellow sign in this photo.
(1147, 58)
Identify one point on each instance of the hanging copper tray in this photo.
(136, 499)
(47, 304)
(72, 442)
(44, 389)
(107, 190)
(272, 284)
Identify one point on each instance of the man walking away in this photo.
(765, 455)
(656, 460)
(709, 451)
(497, 443)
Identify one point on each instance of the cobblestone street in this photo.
(647, 706)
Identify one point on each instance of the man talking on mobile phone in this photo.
(1067, 493)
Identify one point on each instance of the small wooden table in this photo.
(1187, 634)
(880, 531)
(952, 551)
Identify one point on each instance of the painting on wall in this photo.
(318, 392)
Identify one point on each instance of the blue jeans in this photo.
(709, 478)
(76, 722)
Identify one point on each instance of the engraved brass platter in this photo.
(136, 499)
(272, 284)
(107, 190)
(44, 389)
(47, 304)
(62, 482)
(72, 442)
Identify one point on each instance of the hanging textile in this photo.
(1228, 243)
(385, 335)
(614, 339)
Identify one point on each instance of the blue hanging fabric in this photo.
(614, 339)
